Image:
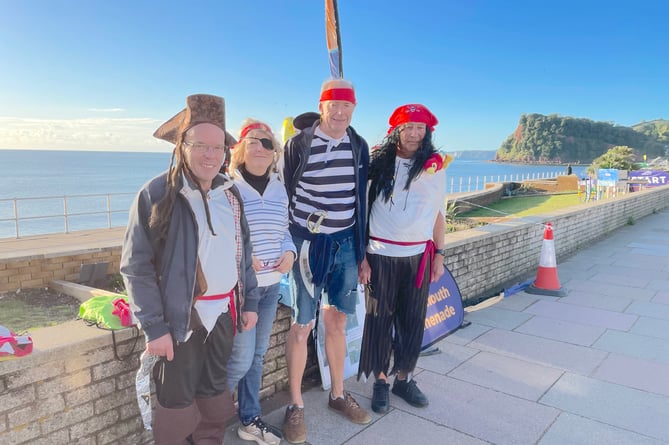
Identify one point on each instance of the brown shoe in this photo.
(294, 428)
(349, 407)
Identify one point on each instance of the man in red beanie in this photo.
(404, 253)
(325, 172)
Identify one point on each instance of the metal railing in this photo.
(38, 215)
(459, 184)
(20, 216)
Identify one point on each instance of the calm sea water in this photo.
(41, 178)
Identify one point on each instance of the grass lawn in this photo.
(34, 308)
(524, 206)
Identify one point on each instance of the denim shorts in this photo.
(339, 288)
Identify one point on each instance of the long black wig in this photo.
(382, 166)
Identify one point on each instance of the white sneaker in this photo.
(262, 433)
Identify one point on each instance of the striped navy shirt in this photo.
(327, 184)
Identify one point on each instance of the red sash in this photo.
(427, 253)
(231, 305)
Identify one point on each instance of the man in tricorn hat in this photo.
(404, 253)
(187, 266)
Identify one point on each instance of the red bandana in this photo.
(346, 94)
(254, 126)
(412, 113)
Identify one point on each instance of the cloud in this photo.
(106, 110)
(121, 134)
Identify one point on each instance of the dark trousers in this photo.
(199, 367)
(398, 324)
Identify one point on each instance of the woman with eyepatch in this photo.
(254, 172)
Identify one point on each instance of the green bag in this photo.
(102, 311)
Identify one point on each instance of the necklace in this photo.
(407, 165)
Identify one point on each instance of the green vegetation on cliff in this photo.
(559, 139)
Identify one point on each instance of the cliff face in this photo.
(559, 139)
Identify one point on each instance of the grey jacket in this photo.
(160, 277)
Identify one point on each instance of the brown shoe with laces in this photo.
(294, 428)
(350, 408)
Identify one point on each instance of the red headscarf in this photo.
(412, 113)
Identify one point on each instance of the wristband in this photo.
(441, 252)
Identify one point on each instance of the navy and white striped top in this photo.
(328, 183)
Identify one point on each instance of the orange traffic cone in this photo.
(547, 282)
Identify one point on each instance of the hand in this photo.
(285, 262)
(249, 320)
(364, 272)
(162, 347)
(256, 263)
(437, 268)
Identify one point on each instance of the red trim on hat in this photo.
(254, 126)
(346, 94)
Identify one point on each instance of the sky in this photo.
(103, 75)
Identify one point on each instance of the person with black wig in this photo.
(404, 252)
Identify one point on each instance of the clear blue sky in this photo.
(88, 74)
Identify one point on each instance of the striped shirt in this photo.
(267, 216)
(327, 184)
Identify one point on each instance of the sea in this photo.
(59, 191)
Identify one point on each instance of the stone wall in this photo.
(75, 392)
(40, 270)
(484, 259)
(72, 389)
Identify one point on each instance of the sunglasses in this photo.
(265, 142)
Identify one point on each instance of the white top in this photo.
(216, 253)
(410, 214)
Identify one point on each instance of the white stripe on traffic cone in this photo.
(547, 282)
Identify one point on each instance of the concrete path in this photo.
(589, 368)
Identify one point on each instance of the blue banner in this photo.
(649, 178)
(445, 313)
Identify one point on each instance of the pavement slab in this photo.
(583, 315)
(634, 345)
(570, 429)
(565, 331)
(574, 358)
(634, 372)
(631, 409)
(508, 375)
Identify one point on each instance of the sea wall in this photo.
(32, 271)
(75, 391)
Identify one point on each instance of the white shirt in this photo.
(410, 214)
(216, 253)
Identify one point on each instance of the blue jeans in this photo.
(338, 290)
(248, 353)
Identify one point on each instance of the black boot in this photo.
(381, 397)
(172, 426)
(410, 393)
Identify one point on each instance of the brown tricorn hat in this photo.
(200, 109)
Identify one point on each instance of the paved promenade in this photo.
(589, 368)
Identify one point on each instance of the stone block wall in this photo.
(74, 394)
(78, 393)
(39, 271)
(484, 259)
